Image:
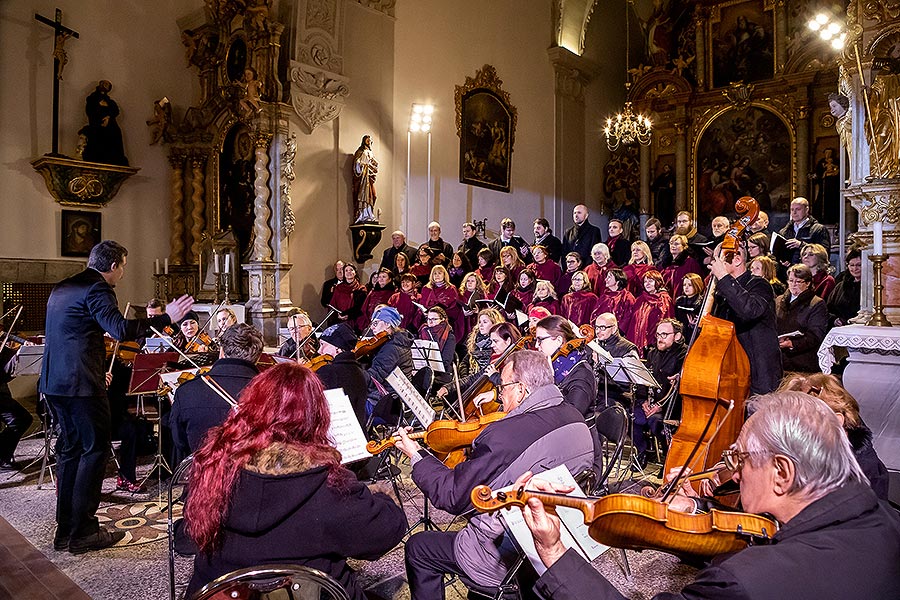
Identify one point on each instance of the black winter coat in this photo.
(843, 301)
(812, 232)
(297, 518)
(580, 239)
(345, 372)
(749, 303)
(808, 315)
(396, 352)
(844, 545)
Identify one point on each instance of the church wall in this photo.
(137, 47)
(438, 45)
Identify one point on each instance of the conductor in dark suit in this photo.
(73, 379)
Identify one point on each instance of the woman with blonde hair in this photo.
(440, 292)
(509, 258)
(545, 297)
(828, 388)
(815, 256)
(651, 307)
(641, 262)
(765, 267)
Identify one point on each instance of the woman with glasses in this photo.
(424, 262)
(438, 330)
(509, 258)
(843, 301)
(801, 321)
(572, 264)
(571, 370)
(276, 447)
(579, 304)
(651, 307)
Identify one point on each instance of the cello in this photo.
(715, 377)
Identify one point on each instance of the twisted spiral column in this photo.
(198, 203)
(262, 233)
(176, 242)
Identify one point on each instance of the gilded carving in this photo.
(661, 90)
(881, 11)
(884, 111)
(739, 93)
(486, 77)
(877, 200)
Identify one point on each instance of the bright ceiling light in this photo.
(822, 18)
(814, 25)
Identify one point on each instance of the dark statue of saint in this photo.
(103, 138)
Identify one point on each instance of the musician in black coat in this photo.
(73, 379)
(749, 303)
(15, 417)
(198, 407)
(344, 371)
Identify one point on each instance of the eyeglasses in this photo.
(664, 334)
(503, 386)
(433, 319)
(603, 327)
(538, 340)
(734, 459)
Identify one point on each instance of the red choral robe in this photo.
(579, 306)
(564, 283)
(403, 302)
(674, 274)
(375, 297)
(619, 303)
(487, 274)
(649, 310)
(525, 296)
(597, 275)
(550, 304)
(822, 284)
(447, 297)
(549, 271)
(349, 298)
(635, 275)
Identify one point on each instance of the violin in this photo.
(319, 361)
(484, 384)
(587, 336)
(368, 346)
(13, 341)
(189, 376)
(445, 437)
(633, 522)
(202, 342)
(124, 351)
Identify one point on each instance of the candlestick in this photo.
(878, 318)
(156, 266)
(166, 266)
(878, 238)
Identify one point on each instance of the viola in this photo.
(634, 522)
(587, 336)
(445, 437)
(368, 346)
(189, 376)
(13, 339)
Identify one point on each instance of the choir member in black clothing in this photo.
(328, 286)
(688, 305)
(843, 301)
(471, 245)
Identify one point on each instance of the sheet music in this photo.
(345, 432)
(605, 357)
(170, 380)
(411, 397)
(629, 369)
(573, 533)
(157, 344)
(427, 354)
(29, 360)
(521, 318)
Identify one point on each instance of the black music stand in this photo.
(631, 371)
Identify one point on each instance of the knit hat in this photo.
(340, 336)
(389, 315)
(190, 316)
(538, 312)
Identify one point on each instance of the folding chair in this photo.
(274, 581)
(612, 423)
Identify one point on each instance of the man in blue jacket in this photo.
(73, 379)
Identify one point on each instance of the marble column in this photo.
(262, 232)
(198, 204)
(573, 72)
(681, 182)
(176, 242)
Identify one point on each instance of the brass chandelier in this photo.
(627, 127)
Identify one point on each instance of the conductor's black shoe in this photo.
(60, 542)
(97, 541)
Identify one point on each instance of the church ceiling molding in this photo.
(383, 6)
(573, 18)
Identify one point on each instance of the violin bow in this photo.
(209, 381)
(459, 396)
(301, 343)
(112, 359)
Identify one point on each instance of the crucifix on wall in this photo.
(61, 34)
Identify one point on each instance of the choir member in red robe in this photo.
(381, 293)
(544, 268)
(524, 291)
(579, 304)
(471, 290)
(502, 294)
(545, 297)
(573, 265)
(485, 268)
(641, 262)
(682, 264)
(509, 258)
(439, 292)
(424, 262)
(616, 299)
(349, 296)
(403, 302)
(596, 271)
(652, 306)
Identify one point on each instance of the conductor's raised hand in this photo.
(177, 308)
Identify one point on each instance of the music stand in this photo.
(427, 354)
(145, 381)
(29, 360)
(630, 370)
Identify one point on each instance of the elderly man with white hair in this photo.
(792, 461)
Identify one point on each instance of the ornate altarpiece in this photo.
(266, 69)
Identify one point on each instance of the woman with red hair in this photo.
(651, 307)
(267, 487)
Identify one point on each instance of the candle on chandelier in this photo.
(216, 263)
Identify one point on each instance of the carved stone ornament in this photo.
(570, 83)
(385, 6)
(877, 200)
(317, 96)
(79, 183)
(288, 154)
(739, 93)
(880, 11)
(486, 78)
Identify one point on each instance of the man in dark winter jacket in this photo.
(792, 461)
(803, 229)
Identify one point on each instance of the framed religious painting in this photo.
(80, 232)
(486, 126)
(743, 152)
(741, 41)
